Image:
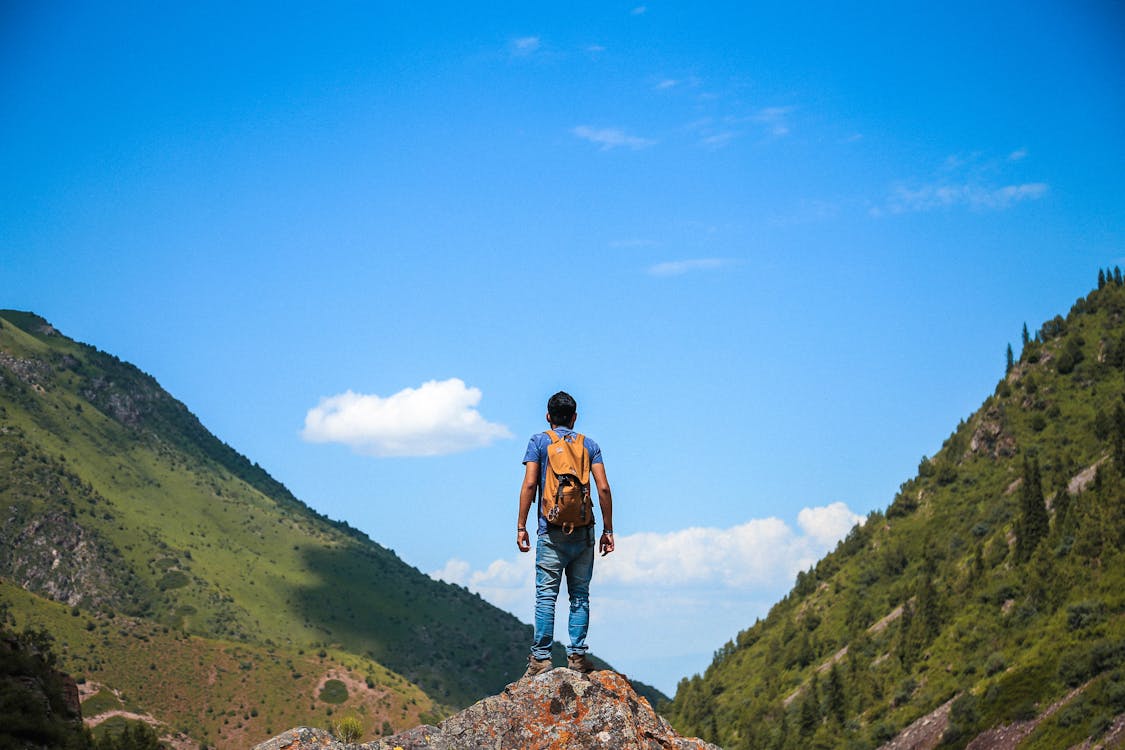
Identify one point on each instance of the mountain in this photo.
(985, 606)
(186, 586)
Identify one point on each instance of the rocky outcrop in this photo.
(923, 734)
(53, 555)
(40, 707)
(991, 438)
(557, 709)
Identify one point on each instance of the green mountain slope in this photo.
(992, 587)
(115, 501)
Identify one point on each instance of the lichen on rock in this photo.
(557, 709)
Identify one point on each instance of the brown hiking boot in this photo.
(536, 666)
(579, 663)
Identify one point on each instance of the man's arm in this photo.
(527, 497)
(605, 500)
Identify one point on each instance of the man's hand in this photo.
(605, 546)
(522, 540)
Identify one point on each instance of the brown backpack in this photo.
(566, 484)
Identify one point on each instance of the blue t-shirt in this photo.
(537, 451)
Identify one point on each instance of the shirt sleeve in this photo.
(595, 452)
(532, 452)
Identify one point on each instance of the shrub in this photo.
(173, 579)
(349, 730)
(963, 718)
(995, 664)
(334, 691)
(1084, 614)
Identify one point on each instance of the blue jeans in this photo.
(556, 553)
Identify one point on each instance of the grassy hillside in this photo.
(216, 692)
(114, 500)
(993, 585)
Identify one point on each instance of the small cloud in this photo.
(609, 138)
(718, 140)
(595, 49)
(905, 199)
(776, 119)
(639, 10)
(853, 138)
(437, 418)
(667, 83)
(525, 45)
(680, 267)
(963, 180)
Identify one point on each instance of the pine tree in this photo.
(835, 702)
(1101, 279)
(928, 615)
(1010, 361)
(905, 646)
(1117, 275)
(1119, 437)
(1025, 337)
(1061, 506)
(978, 563)
(809, 717)
(1034, 524)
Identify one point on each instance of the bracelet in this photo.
(608, 531)
(521, 528)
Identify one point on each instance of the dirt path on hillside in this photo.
(93, 721)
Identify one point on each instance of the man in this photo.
(557, 551)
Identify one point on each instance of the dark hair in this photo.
(561, 408)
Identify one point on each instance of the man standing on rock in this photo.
(565, 528)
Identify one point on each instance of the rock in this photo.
(925, 733)
(557, 709)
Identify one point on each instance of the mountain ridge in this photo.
(118, 502)
(993, 582)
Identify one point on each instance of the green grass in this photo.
(191, 684)
(101, 702)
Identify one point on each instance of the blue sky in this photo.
(783, 245)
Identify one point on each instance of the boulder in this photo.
(557, 709)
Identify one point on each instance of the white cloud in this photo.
(775, 119)
(754, 554)
(971, 180)
(906, 199)
(733, 575)
(639, 10)
(525, 45)
(829, 523)
(680, 267)
(438, 418)
(667, 83)
(718, 140)
(609, 138)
